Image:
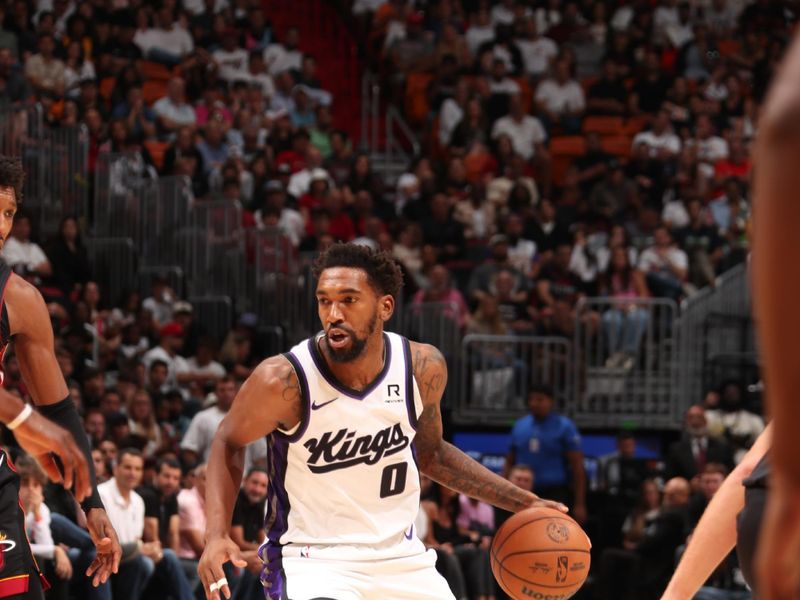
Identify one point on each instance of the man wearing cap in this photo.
(170, 342)
(290, 221)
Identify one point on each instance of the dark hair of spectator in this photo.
(257, 470)
(382, 271)
(541, 388)
(28, 468)
(625, 434)
(716, 468)
(128, 451)
(170, 462)
(158, 363)
(12, 175)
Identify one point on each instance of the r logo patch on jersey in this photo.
(393, 393)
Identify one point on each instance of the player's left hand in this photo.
(777, 565)
(105, 540)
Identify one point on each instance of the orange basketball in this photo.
(540, 554)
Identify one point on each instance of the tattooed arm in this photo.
(270, 398)
(443, 462)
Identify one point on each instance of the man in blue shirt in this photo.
(550, 444)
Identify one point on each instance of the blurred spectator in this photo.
(172, 110)
(549, 443)
(168, 42)
(442, 231)
(440, 290)
(703, 245)
(54, 561)
(607, 95)
(620, 474)
(537, 50)
(513, 306)
(169, 345)
(560, 99)
(471, 548)
(733, 422)
(481, 278)
(283, 57)
(625, 322)
(558, 290)
(526, 132)
(231, 59)
(661, 142)
(652, 555)
(688, 457)
(192, 519)
(44, 71)
(25, 257)
(523, 477)
(68, 256)
(247, 529)
(197, 441)
(159, 303)
(664, 265)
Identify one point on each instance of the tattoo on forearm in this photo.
(459, 472)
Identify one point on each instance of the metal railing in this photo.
(113, 262)
(56, 164)
(624, 357)
(215, 313)
(715, 325)
(495, 373)
(395, 149)
(370, 112)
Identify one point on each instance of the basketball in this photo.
(540, 554)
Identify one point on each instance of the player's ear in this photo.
(386, 307)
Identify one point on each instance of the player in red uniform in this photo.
(58, 438)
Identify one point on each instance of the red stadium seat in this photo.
(602, 125)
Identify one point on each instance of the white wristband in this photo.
(20, 418)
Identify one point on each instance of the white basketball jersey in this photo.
(346, 476)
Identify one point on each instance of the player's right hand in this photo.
(43, 439)
(217, 552)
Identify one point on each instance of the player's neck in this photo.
(359, 373)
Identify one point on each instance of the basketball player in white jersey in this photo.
(351, 417)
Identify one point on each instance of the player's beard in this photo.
(357, 344)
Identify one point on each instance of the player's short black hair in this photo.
(382, 270)
(12, 175)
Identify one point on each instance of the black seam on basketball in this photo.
(554, 550)
(536, 583)
(510, 533)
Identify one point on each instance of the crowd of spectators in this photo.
(570, 149)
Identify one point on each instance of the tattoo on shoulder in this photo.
(430, 371)
(289, 387)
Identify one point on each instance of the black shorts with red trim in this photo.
(20, 577)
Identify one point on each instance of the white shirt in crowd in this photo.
(127, 516)
(201, 432)
(711, 149)
(161, 310)
(233, 64)
(655, 143)
(16, 252)
(449, 116)
(300, 181)
(38, 529)
(537, 54)
(175, 364)
(522, 254)
(524, 134)
(182, 114)
(504, 86)
(196, 7)
(291, 223)
(559, 98)
(278, 59)
(212, 369)
(652, 262)
(501, 15)
(477, 35)
(176, 41)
